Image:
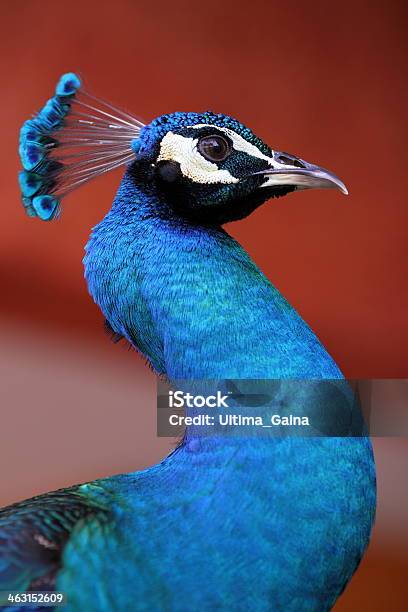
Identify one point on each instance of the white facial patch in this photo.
(193, 165)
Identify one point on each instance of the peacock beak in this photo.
(285, 169)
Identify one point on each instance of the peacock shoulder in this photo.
(34, 533)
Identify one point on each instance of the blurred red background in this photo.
(321, 80)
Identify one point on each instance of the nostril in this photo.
(285, 158)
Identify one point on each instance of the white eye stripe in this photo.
(193, 165)
(238, 142)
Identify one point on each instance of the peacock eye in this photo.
(214, 148)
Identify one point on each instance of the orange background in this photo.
(322, 80)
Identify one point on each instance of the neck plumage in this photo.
(191, 299)
(197, 307)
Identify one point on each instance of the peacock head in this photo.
(209, 167)
(212, 168)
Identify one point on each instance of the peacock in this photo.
(224, 522)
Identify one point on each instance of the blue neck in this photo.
(191, 299)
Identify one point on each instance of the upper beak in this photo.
(286, 169)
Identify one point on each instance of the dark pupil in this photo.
(214, 148)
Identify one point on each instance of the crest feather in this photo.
(74, 138)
